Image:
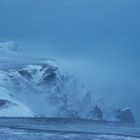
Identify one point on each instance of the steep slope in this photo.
(11, 107)
(44, 90)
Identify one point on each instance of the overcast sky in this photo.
(102, 36)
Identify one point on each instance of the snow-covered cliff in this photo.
(45, 90)
(38, 87)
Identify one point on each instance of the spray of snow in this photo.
(8, 46)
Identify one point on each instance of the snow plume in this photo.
(46, 91)
(42, 89)
(8, 46)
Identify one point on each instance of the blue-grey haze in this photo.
(99, 38)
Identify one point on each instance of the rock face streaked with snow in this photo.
(34, 87)
(44, 90)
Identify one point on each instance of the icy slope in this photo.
(44, 90)
(10, 107)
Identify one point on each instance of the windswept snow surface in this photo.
(64, 129)
(8, 134)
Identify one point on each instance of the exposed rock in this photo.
(3, 102)
(25, 74)
(125, 115)
(96, 113)
(49, 74)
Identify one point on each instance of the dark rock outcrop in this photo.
(96, 113)
(25, 74)
(4, 103)
(125, 115)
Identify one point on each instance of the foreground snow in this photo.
(64, 129)
(8, 134)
